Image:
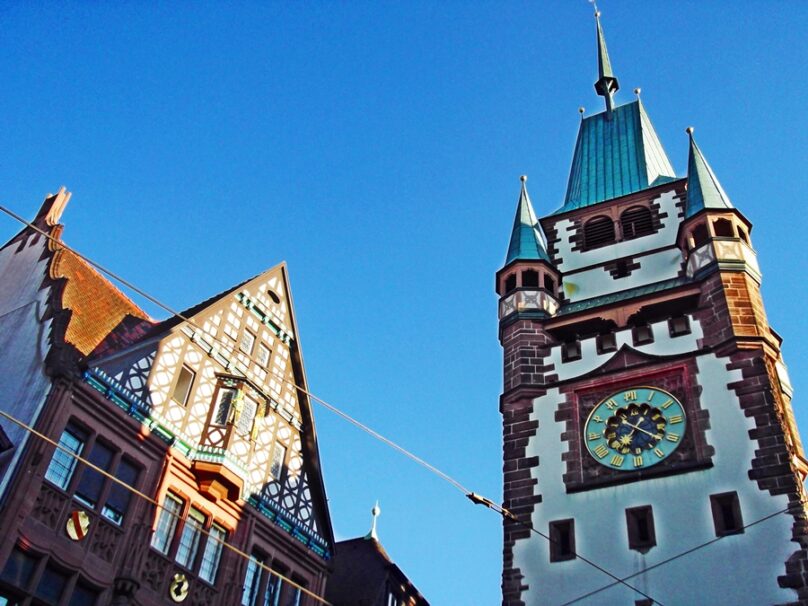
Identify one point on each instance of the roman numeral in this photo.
(601, 451)
(667, 403)
(597, 419)
(651, 395)
(659, 453)
(672, 437)
(617, 460)
(611, 404)
(630, 396)
(594, 436)
(676, 419)
(638, 461)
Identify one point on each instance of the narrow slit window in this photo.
(278, 456)
(606, 342)
(726, 513)
(679, 326)
(640, 525)
(183, 387)
(642, 334)
(252, 579)
(562, 540)
(570, 351)
(225, 401)
(212, 554)
(263, 355)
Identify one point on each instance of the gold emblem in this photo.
(178, 590)
(77, 525)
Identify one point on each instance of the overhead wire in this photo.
(472, 496)
(177, 516)
(674, 557)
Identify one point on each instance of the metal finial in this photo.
(523, 178)
(595, 5)
(689, 130)
(376, 511)
(637, 92)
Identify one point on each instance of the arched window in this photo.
(700, 235)
(723, 228)
(636, 222)
(598, 232)
(530, 278)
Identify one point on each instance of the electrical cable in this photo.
(675, 557)
(474, 497)
(179, 517)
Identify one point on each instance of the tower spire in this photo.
(703, 189)
(375, 513)
(607, 83)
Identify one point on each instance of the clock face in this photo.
(635, 428)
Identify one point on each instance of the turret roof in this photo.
(527, 241)
(703, 188)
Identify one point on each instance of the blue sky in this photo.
(376, 147)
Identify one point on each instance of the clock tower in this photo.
(647, 418)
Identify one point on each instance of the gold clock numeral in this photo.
(597, 419)
(617, 460)
(667, 403)
(601, 451)
(672, 437)
(676, 419)
(594, 436)
(630, 396)
(651, 395)
(658, 436)
(638, 461)
(611, 404)
(659, 453)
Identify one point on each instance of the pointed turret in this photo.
(607, 83)
(703, 189)
(527, 241)
(529, 280)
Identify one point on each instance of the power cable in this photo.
(473, 497)
(675, 557)
(178, 517)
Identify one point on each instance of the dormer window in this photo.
(636, 222)
(598, 231)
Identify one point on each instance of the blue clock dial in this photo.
(635, 428)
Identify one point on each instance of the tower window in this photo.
(636, 222)
(640, 526)
(744, 236)
(723, 228)
(183, 387)
(598, 232)
(642, 334)
(510, 283)
(700, 235)
(606, 342)
(679, 326)
(549, 283)
(726, 513)
(562, 540)
(571, 350)
(530, 278)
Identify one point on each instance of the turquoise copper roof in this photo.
(703, 188)
(527, 241)
(617, 153)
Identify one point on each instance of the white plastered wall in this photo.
(25, 341)
(654, 267)
(739, 569)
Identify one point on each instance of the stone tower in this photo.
(646, 406)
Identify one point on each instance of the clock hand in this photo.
(653, 435)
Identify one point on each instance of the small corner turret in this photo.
(528, 283)
(714, 234)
